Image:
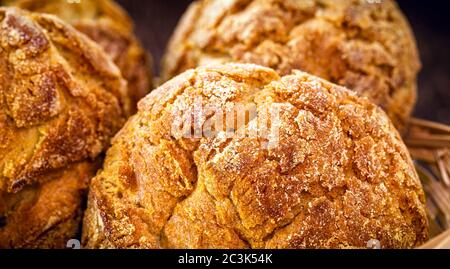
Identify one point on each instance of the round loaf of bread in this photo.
(108, 24)
(61, 101)
(310, 165)
(365, 46)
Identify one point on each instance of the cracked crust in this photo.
(106, 23)
(368, 48)
(61, 101)
(339, 176)
(46, 215)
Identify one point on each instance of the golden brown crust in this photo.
(106, 23)
(338, 177)
(366, 47)
(46, 215)
(61, 98)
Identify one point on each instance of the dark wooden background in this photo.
(156, 19)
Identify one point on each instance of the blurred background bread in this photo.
(61, 101)
(336, 175)
(367, 47)
(107, 24)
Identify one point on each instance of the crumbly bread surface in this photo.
(366, 47)
(109, 25)
(338, 176)
(61, 101)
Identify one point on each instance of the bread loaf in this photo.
(367, 47)
(330, 171)
(61, 101)
(109, 25)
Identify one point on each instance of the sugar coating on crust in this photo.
(338, 177)
(366, 47)
(106, 23)
(61, 97)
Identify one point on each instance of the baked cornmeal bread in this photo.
(61, 101)
(367, 47)
(109, 25)
(330, 172)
